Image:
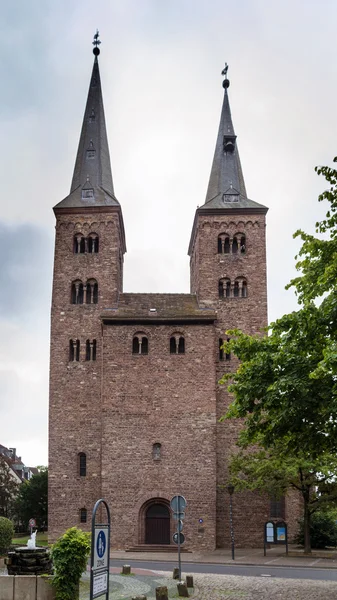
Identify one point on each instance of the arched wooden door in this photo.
(157, 524)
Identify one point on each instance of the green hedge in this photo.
(323, 530)
(70, 554)
(6, 534)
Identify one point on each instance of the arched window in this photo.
(223, 243)
(173, 345)
(79, 243)
(91, 291)
(239, 243)
(177, 344)
(140, 344)
(240, 288)
(224, 288)
(77, 292)
(82, 460)
(90, 350)
(92, 243)
(181, 345)
(156, 451)
(83, 515)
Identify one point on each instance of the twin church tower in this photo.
(134, 398)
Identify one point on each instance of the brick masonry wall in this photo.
(116, 408)
(75, 387)
(167, 399)
(250, 511)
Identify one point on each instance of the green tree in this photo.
(285, 386)
(8, 489)
(32, 501)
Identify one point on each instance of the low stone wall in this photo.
(26, 587)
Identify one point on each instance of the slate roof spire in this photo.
(226, 188)
(92, 183)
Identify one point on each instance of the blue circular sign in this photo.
(101, 544)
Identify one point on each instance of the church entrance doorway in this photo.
(157, 524)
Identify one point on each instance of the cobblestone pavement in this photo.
(215, 587)
(231, 587)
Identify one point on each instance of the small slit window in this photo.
(156, 451)
(71, 351)
(228, 354)
(82, 457)
(83, 515)
(221, 353)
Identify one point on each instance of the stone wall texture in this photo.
(116, 408)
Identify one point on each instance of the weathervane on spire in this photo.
(96, 43)
(225, 82)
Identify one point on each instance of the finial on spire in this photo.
(225, 82)
(96, 43)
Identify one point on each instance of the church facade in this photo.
(134, 398)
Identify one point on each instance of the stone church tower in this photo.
(134, 398)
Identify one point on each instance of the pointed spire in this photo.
(93, 159)
(226, 188)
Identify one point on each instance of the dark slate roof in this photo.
(92, 167)
(226, 188)
(165, 307)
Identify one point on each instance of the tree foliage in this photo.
(323, 530)
(6, 534)
(285, 385)
(32, 501)
(70, 554)
(8, 489)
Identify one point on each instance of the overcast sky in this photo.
(160, 66)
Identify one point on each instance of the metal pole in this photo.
(179, 557)
(231, 524)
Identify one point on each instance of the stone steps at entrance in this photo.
(154, 548)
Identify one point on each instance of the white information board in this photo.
(100, 585)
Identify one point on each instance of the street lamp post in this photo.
(230, 489)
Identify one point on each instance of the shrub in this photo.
(6, 534)
(323, 530)
(70, 554)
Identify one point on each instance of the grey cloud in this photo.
(25, 271)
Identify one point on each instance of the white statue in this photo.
(32, 541)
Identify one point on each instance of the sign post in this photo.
(100, 554)
(178, 505)
(275, 533)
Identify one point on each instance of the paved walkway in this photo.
(212, 587)
(276, 556)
